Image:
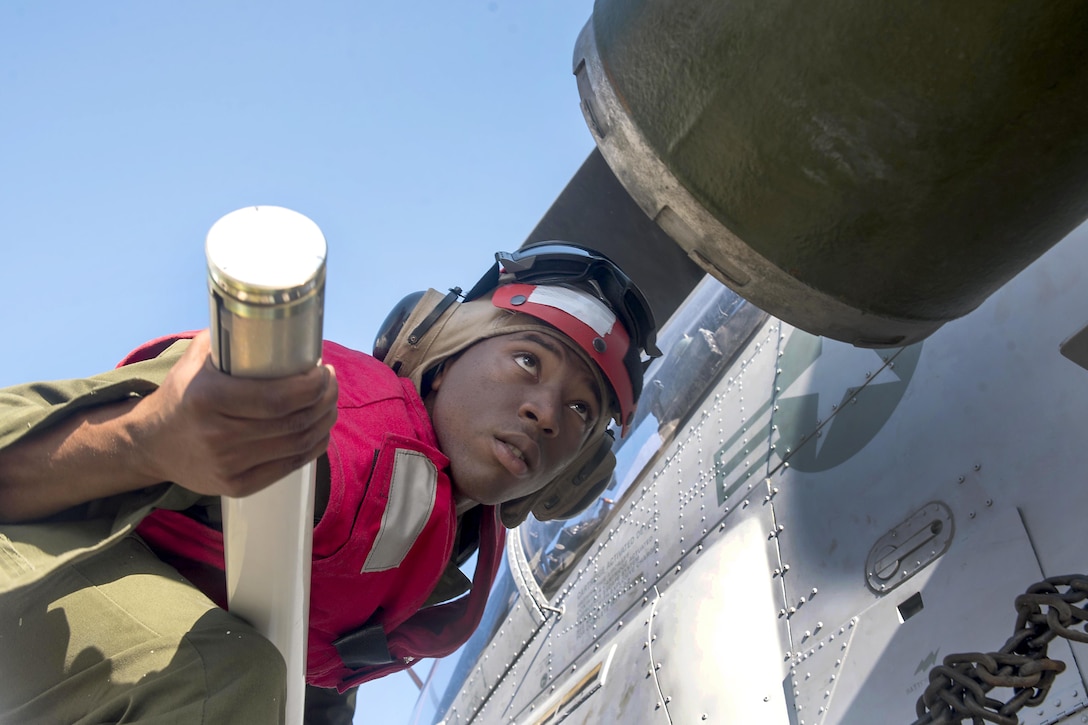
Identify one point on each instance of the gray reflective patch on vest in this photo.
(412, 492)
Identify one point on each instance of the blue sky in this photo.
(421, 137)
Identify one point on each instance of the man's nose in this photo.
(543, 408)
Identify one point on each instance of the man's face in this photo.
(510, 412)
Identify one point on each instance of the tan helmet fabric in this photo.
(466, 323)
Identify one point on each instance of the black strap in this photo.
(429, 320)
(488, 282)
(365, 647)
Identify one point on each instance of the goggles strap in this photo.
(488, 282)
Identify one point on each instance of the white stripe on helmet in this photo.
(578, 304)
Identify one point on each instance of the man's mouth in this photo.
(511, 457)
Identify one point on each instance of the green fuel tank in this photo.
(864, 170)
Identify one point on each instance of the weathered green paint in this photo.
(905, 158)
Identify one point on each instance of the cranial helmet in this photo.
(562, 290)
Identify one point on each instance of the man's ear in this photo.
(433, 378)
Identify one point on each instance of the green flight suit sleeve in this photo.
(30, 551)
(35, 406)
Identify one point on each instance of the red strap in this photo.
(438, 631)
(154, 348)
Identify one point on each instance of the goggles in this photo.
(561, 263)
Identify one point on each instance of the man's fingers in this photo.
(214, 433)
(267, 473)
(287, 396)
(265, 399)
(247, 455)
(239, 433)
(246, 445)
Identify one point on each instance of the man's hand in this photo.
(217, 434)
(201, 429)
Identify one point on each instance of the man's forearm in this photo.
(201, 429)
(91, 455)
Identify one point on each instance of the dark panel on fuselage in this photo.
(594, 210)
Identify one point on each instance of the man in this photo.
(472, 415)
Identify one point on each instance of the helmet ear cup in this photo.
(394, 323)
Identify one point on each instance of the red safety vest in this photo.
(381, 545)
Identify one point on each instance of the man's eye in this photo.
(528, 361)
(582, 410)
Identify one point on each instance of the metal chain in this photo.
(958, 688)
